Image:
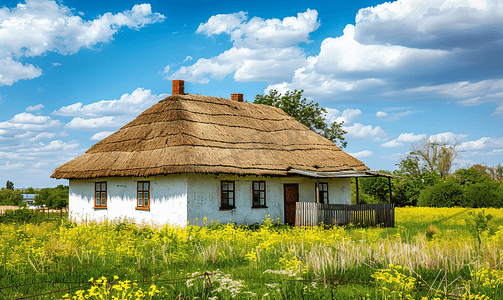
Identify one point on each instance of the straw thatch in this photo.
(200, 134)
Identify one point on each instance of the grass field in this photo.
(430, 254)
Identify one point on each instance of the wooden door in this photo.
(291, 192)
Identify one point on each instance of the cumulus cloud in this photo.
(381, 114)
(410, 137)
(29, 122)
(392, 144)
(359, 132)
(35, 107)
(447, 137)
(362, 154)
(42, 136)
(128, 104)
(79, 123)
(482, 143)
(258, 45)
(348, 115)
(39, 26)
(435, 24)
(101, 135)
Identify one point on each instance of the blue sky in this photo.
(73, 72)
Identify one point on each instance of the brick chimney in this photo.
(178, 87)
(237, 97)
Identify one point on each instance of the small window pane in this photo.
(145, 196)
(145, 186)
(97, 198)
(224, 186)
(231, 195)
(140, 199)
(255, 185)
(97, 187)
(140, 186)
(262, 186)
(231, 185)
(103, 198)
(262, 195)
(103, 187)
(261, 201)
(231, 202)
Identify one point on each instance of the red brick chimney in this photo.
(237, 97)
(178, 87)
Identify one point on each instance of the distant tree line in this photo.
(425, 179)
(55, 198)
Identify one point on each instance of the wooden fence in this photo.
(362, 215)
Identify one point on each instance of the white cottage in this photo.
(191, 157)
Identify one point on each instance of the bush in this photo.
(21, 215)
(444, 194)
(483, 194)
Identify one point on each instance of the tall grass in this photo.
(252, 261)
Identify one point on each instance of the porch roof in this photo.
(340, 174)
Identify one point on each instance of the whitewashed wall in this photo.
(178, 199)
(168, 196)
(203, 197)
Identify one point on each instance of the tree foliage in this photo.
(9, 185)
(307, 113)
(56, 198)
(435, 156)
(10, 197)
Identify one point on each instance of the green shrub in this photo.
(444, 194)
(484, 194)
(21, 215)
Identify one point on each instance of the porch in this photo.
(361, 215)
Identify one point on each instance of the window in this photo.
(143, 195)
(227, 198)
(323, 187)
(259, 194)
(100, 194)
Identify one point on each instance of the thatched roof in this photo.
(200, 134)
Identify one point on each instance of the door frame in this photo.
(296, 185)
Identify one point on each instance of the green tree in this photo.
(435, 156)
(9, 185)
(443, 194)
(56, 198)
(10, 197)
(307, 113)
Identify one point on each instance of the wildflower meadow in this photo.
(432, 253)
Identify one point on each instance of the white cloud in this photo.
(34, 108)
(27, 122)
(41, 26)
(79, 123)
(56, 64)
(362, 154)
(259, 33)
(359, 131)
(43, 135)
(246, 64)
(410, 137)
(128, 104)
(40, 164)
(482, 143)
(187, 58)
(349, 116)
(345, 54)
(391, 144)
(381, 114)
(9, 166)
(431, 24)
(448, 137)
(101, 135)
(263, 50)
